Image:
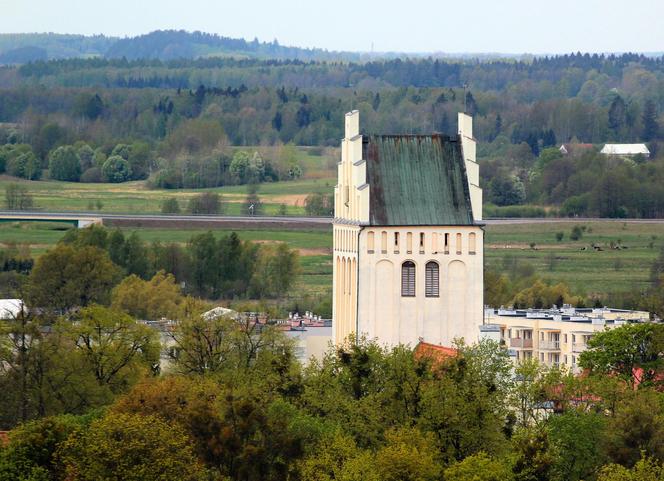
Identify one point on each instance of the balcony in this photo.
(549, 345)
(521, 343)
(579, 347)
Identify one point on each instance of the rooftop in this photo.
(416, 180)
(625, 149)
(573, 314)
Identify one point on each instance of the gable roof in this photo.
(416, 180)
(625, 149)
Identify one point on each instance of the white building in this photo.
(408, 248)
(10, 308)
(626, 150)
(555, 337)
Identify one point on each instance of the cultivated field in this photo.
(586, 270)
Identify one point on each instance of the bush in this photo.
(560, 236)
(92, 175)
(577, 233)
(170, 206)
(205, 203)
(514, 211)
(116, 169)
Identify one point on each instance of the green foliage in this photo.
(646, 469)
(116, 169)
(576, 234)
(65, 164)
(20, 161)
(132, 448)
(170, 206)
(479, 467)
(206, 203)
(17, 197)
(319, 204)
(66, 277)
(631, 351)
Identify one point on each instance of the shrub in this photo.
(116, 169)
(170, 206)
(205, 203)
(560, 236)
(92, 175)
(577, 233)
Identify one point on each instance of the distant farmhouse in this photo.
(626, 150)
(575, 149)
(408, 242)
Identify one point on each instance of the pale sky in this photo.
(506, 26)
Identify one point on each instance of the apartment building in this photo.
(556, 336)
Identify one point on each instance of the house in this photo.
(556, 336)
(408, 238)
(10, 308)
(626, 150)
(575, 148)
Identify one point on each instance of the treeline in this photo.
(237, 406)
(586, 185)
(87, 263)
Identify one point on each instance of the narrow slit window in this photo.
(383, 242)
(409, 243)
(434, 243)
(421, 242)
(408, 279)
(370, 242)
(472, 243)
(458, 243)
(396, 242)
(447, 243)
(431, 281)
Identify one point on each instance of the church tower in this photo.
(408, 245)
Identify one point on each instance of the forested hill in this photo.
(161, 44)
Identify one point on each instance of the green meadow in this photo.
(577, 263)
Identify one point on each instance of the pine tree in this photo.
(650, 125)
(617, 115)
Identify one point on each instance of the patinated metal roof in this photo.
(416, 180)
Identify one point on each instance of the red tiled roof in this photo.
(436, 353)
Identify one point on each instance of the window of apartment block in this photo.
(431, 281)
(408, 279)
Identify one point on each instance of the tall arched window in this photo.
(383, 242)
(370, 242)
(431, 280)
(472, 243)
(408, 279)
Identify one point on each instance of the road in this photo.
(276, 221)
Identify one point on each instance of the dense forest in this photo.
(179, 117)
(235, 405)
(160, 44)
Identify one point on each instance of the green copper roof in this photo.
(416, 180)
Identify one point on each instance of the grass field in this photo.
(586, 271)
(137, 197)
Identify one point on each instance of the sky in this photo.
(475, 26)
